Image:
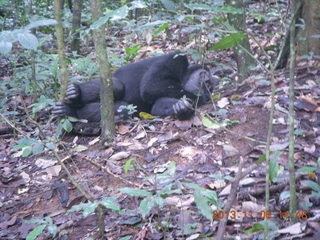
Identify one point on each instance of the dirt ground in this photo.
(36, 187)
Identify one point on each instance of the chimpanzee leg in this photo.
(79, 94)
(91, 111)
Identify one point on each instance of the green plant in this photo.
(46, 222)
(156, 199)
(27, 146)
(130, 108)
(23, 35)
(167, 182)
(90, 207)
(65, 124)
(42, 103)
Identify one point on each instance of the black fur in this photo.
(156, 85)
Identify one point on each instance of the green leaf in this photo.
(135, 192)
(51, 146)
(9, 36)
(101, 21)
(53, 229)
(284, 195)
(114, 15)
(158, 201)
(133, 50)
(67, 125)
(274, 170)
(127, 165)
(227, 9)
(146, 205)
(207, 122)
(27, 151)
(169, 5)
(193, 186)
(150, 25)
(198, 7)
(28, 40)
(87, 208)
(146, 116)
(275, 155)
(307, 169)
(228, 41)
(35, 232)
(118, 14)
(254, 228)
(216, 96)
(167, 190)
(110, 203)
(5, 48)
(313, 185)
(261, 159)
(126, 237)
(299, 132)
(37, 148)
(138, 4)
(202, 205)
(160, 29)
(39, 23)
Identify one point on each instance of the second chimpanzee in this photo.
(163, 86)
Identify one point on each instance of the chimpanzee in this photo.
(163, 86)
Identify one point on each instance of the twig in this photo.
(232, 196)
(107, 170)
(84, 193)
(12, 125)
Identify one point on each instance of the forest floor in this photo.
(206, 154)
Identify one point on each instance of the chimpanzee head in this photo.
(199, 82)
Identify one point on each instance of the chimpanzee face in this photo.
(200, 84)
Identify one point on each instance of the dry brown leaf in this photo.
(123, 129)
(119, 156)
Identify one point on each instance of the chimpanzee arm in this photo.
(164, 78)
(64, 109)
(181, 108)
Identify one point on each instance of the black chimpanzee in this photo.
(156, 85)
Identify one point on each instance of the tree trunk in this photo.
(62, 57)
(309, 37)
(243, 58)
(106, 91)
(76, 22)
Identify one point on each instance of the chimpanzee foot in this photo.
(61, 109)
(73, 92)
(182, 106)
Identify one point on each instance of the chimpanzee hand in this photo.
(183, 105)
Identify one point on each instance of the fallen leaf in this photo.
(119, 156)
(223, 102)
(293, 229)
(230, 150)
(152, 141)
(45, 163)
(140, 135)
(123, 129)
